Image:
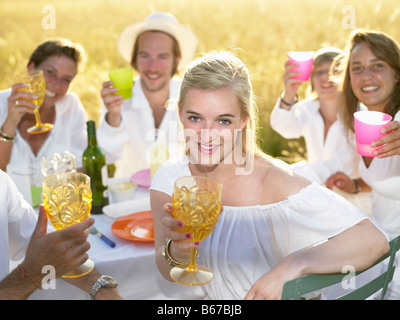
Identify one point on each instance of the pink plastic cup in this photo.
(305, 60)
(366, 126)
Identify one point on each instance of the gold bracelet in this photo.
(5, 137)
(167, 256)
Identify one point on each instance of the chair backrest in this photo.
(296, 288)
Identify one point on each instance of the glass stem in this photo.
(37, 117)
(192, 264)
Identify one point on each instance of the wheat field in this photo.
(260, 32)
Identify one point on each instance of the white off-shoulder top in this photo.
(248, 241)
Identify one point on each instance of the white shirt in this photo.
(248, 241)
(68, 134)
(383, 176)
(128, 145)
(325, 156)
(17, 222)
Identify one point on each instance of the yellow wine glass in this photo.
(35, 84)
(197, 202)
(67, 198)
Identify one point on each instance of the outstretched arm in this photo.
(359, 246)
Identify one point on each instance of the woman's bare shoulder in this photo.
(278, 174)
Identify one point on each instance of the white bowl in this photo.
(122, 191)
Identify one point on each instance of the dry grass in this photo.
(262, 31)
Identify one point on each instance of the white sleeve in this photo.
(166, 175)
(317, 215)
(21, 219)
(78, 131)
(110, 139)
(4, 94)
(288, 123)
(345, 160)
(163, 181)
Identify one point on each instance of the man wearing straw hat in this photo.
(156, 48)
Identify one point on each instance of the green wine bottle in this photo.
(94, 165)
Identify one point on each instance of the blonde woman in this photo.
(271, 218)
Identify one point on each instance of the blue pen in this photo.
(93, 230)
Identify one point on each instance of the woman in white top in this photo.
(59, 60)
(371, 73)
(315, 119)
(256, 244)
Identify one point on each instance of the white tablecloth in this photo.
(131, 263)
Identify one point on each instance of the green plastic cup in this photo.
(123, 80)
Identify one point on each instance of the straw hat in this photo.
(164, 22)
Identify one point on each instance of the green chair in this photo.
(296, 288)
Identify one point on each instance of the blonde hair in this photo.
(223, 70)
(322, 56)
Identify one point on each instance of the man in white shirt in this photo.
(156, 48)
(21, 239)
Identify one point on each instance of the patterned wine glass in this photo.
(197, 202)
(36, 84)
(67, 199)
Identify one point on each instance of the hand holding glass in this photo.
(305, 61)
(367, 126)
(67, 199)
(35, 84)
(197, 202)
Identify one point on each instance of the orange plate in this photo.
(137, 226)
